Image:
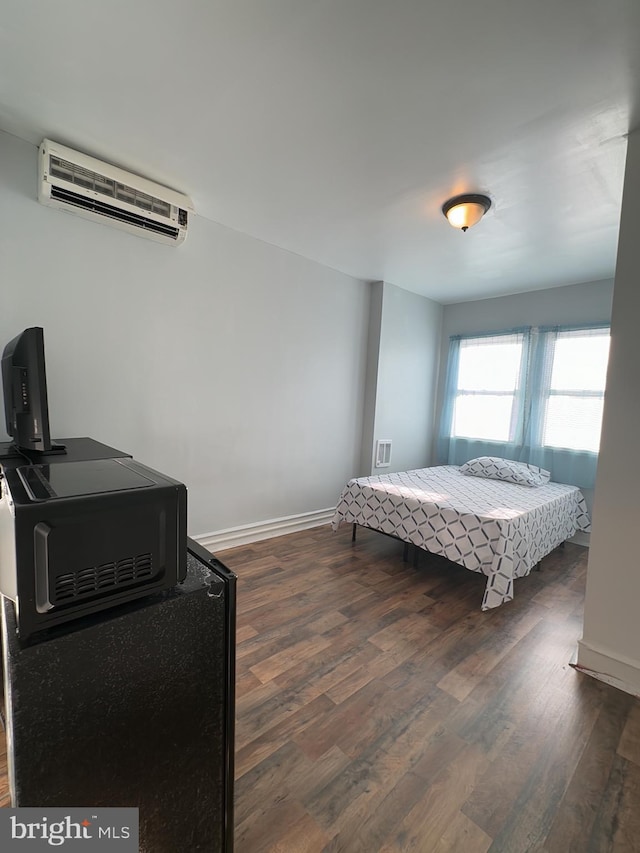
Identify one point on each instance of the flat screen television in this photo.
(24, 383)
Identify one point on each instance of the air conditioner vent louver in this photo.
(102, 580)
(100, 191)
(104, 209)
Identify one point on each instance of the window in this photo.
(487, 393)
(536, 395)
(575, 396)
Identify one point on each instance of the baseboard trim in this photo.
(245, 534)
(581, 538)
(620, 672)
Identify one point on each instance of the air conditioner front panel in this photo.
(80, 184)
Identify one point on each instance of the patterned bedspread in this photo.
(489, 526)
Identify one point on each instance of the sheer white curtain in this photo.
(535, 395)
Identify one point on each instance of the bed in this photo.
(498, 528)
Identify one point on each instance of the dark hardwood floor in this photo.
(379, 710)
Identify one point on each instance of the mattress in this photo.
(499, 529)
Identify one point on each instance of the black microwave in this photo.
(79, 535)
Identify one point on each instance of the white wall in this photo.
(610, 647)
(229, 364)
(404, 345)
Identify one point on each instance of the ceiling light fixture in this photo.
(463, 211)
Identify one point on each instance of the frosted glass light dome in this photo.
(463, 211)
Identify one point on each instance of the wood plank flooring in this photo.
(379, 710)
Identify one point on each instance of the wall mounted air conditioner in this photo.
(88, 187)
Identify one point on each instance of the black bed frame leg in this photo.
(353, 532)
(405, 552)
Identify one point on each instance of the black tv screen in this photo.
(24, 384)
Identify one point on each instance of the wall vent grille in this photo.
(383, 453)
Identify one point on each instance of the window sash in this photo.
(502, 357)
(463, 413)
(572, 357)
(573, 427)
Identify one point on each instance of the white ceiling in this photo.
(337, 128)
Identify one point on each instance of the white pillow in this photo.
(495, 468)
